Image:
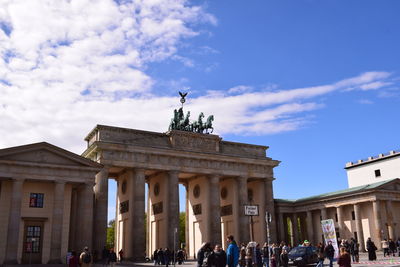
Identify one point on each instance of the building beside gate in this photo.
(46, 203)
(370, 207)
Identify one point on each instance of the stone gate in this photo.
(220, 178)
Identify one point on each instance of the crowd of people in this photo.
(247, 255)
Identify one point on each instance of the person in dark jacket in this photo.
(371, 248)
(155, 257)
(259, 260)
(284, 258)
(344, 258)
(265, 254)
(167, 256)
(392, 247)
(330, 253)
(112, 258)
(217, 258)
(354, 249)
(201, 253)
(160, 257)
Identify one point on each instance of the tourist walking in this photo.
(105, 253)
(242, 256)
(284, 258)
(344, 258)
(112, 259)
(371, 248)
(217, 258)
(201, 253)
(321, 255)
(392, 247)
(121, 255)
(73, 260)
(249, 255)
(167, 257)
(232, 252)
(155, 257)
(85, 259)
(385, 247)
(259, 259)
(160, 257)
(354, 250)
(330, 253)
(398, 245)
(265, 254)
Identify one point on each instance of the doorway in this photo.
(33, 242)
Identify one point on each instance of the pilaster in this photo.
(378, 223)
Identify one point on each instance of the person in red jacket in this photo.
(344, 258)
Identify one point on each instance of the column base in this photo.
(54, 261)
(10, 262)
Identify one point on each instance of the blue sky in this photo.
(316, 81)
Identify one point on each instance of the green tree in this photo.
(110, 234)
(182, 224)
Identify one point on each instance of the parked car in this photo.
(302, 256)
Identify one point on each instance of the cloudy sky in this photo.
(317, 81)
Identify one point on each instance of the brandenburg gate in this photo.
(220, 178)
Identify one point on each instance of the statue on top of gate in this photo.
(181, 122)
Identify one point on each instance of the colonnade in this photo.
(163, 209)
(370, 212)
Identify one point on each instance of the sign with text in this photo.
(328, 230)
(251, 210)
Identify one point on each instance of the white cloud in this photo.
(66, 66)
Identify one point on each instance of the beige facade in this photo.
(218, 176)
(43, 192)
(361, 212)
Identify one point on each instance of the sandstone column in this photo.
(339, 211)
(359, 228)
(86, 219)
(14, 219)
(57, 222)
(243, 223)
(324, 214)
(187, 219)
(295, 229)
(270, 207)
(310, 227)
(389, 212)
(100, 210)
(215, 211)
(136, 214)
(281, 227)
(172, 208)
(377, 219)
(73, 220)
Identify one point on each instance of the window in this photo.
(378, 173)
(36, 200)
(353, 215)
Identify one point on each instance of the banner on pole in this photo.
(328, 230)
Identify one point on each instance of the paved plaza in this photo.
(381, 261)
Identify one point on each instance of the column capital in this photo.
(60, 181)
(17, 180)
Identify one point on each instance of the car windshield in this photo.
(298, 250)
